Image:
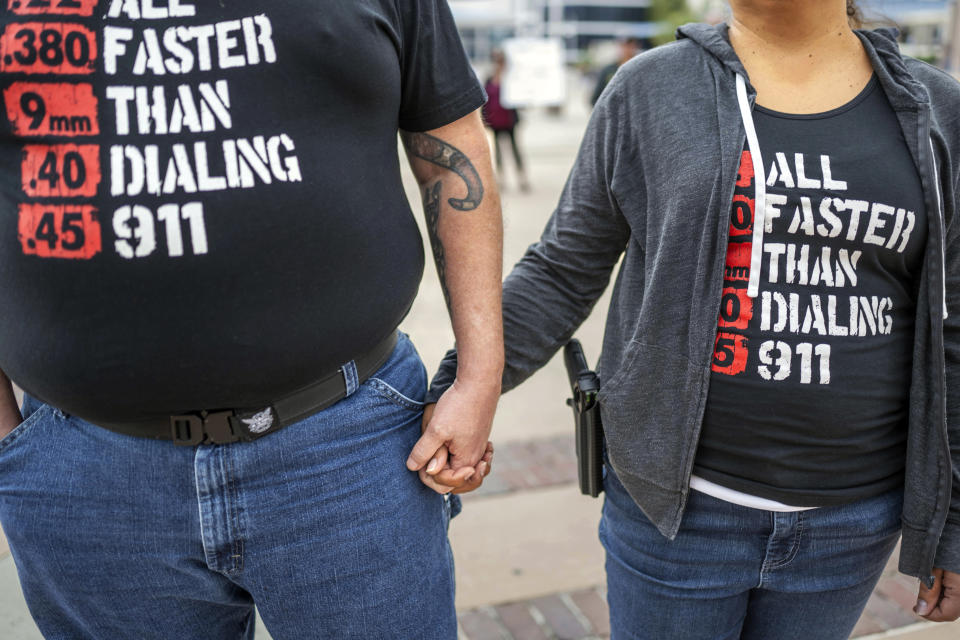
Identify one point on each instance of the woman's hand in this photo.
(941, 603)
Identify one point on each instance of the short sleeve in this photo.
(438, 83)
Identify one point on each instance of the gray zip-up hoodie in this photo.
(653, 183)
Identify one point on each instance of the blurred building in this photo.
(578, 23)
(928, 27)
(951, 58)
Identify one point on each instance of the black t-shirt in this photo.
(201, 201)
(808, 396)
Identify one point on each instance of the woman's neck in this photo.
(802, 57)
(786, 24)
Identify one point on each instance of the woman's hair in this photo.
(854, 16)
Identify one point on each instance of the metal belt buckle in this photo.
(218, 428)
(190, 430)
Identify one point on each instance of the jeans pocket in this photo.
(21, 429)
(385, 390)
(402, 379)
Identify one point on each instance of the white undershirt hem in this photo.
(743, 499)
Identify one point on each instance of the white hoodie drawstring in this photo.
(760, 189)
(943, 242)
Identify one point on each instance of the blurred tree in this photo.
(669, 14)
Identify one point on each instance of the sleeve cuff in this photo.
(443, 380)
(463, 105)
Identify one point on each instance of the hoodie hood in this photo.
(715, 39)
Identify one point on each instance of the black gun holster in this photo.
(586, 412)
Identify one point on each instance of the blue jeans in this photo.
(735, 572)
(320, 524)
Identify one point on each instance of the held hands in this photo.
(444, 480)
(454, 453)
(942, 602)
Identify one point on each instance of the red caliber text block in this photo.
(739, 256)
(730, 354)
(736, 308)
(59, 231)
(60, 171)
(741, 216)
(40, 109)
(58, 48)
(745, 173)
(52, 7)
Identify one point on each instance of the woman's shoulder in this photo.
(943, 89)
(666, 69)
(678, 53)
(933, 78)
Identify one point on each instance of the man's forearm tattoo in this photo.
(431, 207)
(438, 152)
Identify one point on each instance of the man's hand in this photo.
(441, 478)
(941, 603)
(9, 412)
(455, 435)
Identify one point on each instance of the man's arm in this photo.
(9, 411)
(462, 208)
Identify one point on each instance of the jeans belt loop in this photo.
(350, 378)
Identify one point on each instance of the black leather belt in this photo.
(222, 426)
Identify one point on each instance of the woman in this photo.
(781, 362)
(502, 121)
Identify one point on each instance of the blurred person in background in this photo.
(780, 374)
(218, 405)
(627, 49)
(503, 121)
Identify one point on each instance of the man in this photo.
(206, 253)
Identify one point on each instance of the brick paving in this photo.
(530, 464)
(578, 615)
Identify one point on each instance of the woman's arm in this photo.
(941, 603)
